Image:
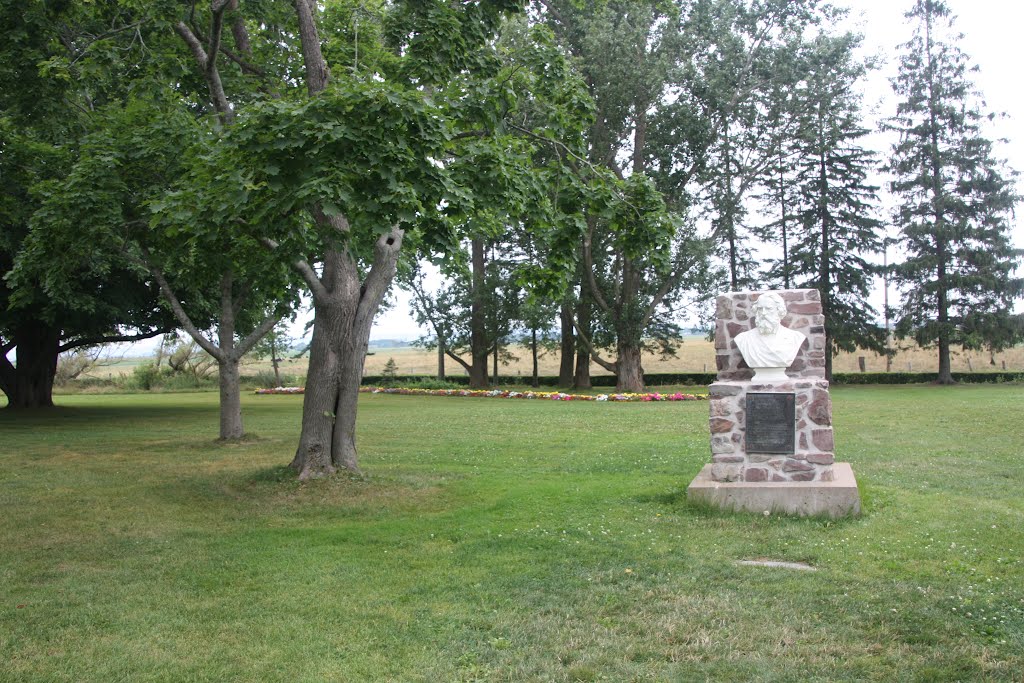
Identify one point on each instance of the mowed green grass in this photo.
(501, 540)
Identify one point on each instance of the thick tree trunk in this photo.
(567, 350)
(495, 373)
(320, 401)
(945, 368)
(230, 400)
(29, 384)
(343, 450)
(344, 311)
(478, 324)
(370, 295)
(630, 378)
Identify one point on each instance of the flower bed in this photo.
(501, 393)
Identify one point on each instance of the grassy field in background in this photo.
(502, 540)
(695, 355)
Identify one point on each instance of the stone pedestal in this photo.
(764, 462)
(835, 499)
(813, 451)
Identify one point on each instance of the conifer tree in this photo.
(956, 197)
(834, 204)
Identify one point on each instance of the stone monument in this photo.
(772, 447)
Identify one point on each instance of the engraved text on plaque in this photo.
(771, 423)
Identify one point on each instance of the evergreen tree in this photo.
(956, 197)
(834, 203)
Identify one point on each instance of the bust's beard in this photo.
(767, 328)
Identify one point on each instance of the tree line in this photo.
(205, 166)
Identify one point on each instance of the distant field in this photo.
(694, 355)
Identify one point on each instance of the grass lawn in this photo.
(502, 540)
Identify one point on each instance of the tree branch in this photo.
(385, 252)
(588, 267)
(181, 315)
(261, 331)
(317, 73)
(193, 43)
(316, 286)
(458, 360)
(594, 355)
(112, 339)
(246, 67)
(238, 30)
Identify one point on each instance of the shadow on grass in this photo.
(21, 417)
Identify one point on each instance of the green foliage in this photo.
(389, 373)
(925, 377)
(145, 376)
(833, 205)
(957, 198)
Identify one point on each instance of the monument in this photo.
(772, 446)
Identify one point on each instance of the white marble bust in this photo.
(769, 348)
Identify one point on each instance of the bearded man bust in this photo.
(769, 348)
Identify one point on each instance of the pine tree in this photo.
(956, 197)
(834, 204)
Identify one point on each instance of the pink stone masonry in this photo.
(813, 454)
(812, 457)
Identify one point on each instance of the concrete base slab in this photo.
(836, 498)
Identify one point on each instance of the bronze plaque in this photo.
(771, 423)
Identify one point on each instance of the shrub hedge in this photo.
(704, 378)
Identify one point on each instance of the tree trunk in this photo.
(828, 354)
(275, 362)
(945, 368)
(495, 373)
(630, 377)
(320, 400)
(567, 349)
(536, 368)
(343, 451)
(582, 377)
(369, 296)
(825, 257)
(230, 400)
(440, 359)
(344, 312)
(478, 325)
(29, 384)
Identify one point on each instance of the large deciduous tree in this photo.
(956, 198)
(673, 85)
(403, 138)
(61, 65)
